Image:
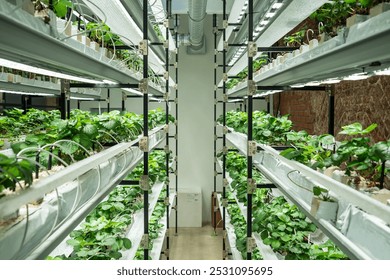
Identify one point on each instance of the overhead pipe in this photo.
(196, 15)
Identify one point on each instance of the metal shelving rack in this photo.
(339, 57)
(76, 63)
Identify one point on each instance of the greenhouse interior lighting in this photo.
(81, 98)
(27, 93)
(132, 91)
(32, 69)
(282, 24)
(382, 72)
(121, 23)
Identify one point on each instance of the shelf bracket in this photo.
(252, 148)
(250, 244)
(143, 85)
(144, 144)
(143, 47)
(252, 49)
(225, 130)
(225, 182)
(224, 202)
(225, 150)
(251, 87)
(251, 188)
(144, 183)
(166, 201)
(144, 244)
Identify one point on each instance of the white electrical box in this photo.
(190, 208)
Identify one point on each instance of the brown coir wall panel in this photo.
(366, 101)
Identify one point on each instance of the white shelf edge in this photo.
(159, 241)
(230, 233)
(136, 229)
(342, 60)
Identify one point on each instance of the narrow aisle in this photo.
(196, 244)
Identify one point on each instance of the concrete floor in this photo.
(196, 244)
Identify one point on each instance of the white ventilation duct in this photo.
(196, 15)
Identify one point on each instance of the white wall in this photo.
(196, 105)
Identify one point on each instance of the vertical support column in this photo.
(108, 100)
(214, 198)
(330, 92)
(24, 103)
(224, 147)
(67, 105)
(144, 89)
(167, 91)
(124, 97)
(251, 88)
(177, 119)
(65, 87)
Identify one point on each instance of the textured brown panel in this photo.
(366, 101)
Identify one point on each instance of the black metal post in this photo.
(215, 125)
(167, 151)
(177, 121)
(224, 147)
(108, 100)
(146, 132)
(24, 103)
(62, 101)
(67, 106)
(123, 102)
(331, 111)
(250, 125)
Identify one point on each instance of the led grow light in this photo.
(382, 72)
(27, 93)
(121, 23)
(238, 10)
(281, 25)
(357, 77)
(81, 98)
(331, 81)
(132, 91)
(32, 69)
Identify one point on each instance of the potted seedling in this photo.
(323, 206)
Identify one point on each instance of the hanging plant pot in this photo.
(326, 210)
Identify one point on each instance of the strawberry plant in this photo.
(102, 235)
(15, 173)
(240, 228)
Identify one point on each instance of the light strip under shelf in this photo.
(238, 7)
(24, 67)
(124, 26)
(290, 17)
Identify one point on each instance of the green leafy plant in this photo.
(333, 14)
(240, 228)
(356, 154)
(102, 235)
(60, 7)
(295, 39)
(15, 173)
(322, 193)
